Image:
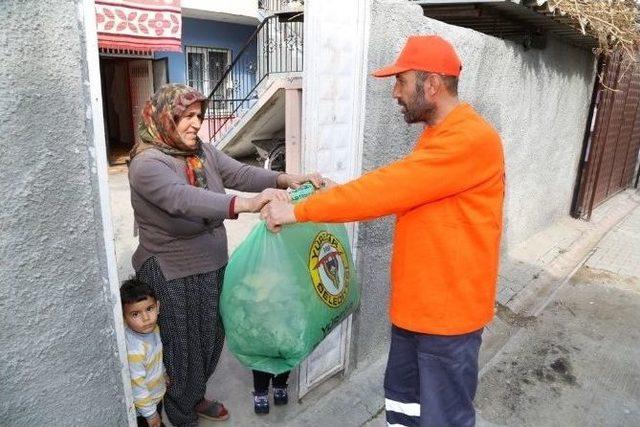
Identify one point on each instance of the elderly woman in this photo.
(179, 202)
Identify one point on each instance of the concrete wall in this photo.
(537, 99)
(61, 357)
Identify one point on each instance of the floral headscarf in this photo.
(157, 128)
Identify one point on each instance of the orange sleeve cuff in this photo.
(299, 212)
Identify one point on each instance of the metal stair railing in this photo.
(278, 49)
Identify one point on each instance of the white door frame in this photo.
(94, 112)
(327, 147)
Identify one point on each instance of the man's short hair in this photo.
(133, 291)
(450, 82)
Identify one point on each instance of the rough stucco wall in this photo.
(59, 363)
(538, 100)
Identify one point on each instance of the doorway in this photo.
(127, 83)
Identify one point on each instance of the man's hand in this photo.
(276, 214)
(155, 420)
(254, 204)
(292, 180)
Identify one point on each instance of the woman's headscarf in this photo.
(157, 128)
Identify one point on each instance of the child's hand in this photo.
(155, 420)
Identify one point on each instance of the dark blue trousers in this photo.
(431, 380)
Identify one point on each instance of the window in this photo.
(206, 66)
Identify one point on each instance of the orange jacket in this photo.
(447, 195)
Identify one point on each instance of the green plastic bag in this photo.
(283, 293)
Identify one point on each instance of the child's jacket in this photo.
(144, 352)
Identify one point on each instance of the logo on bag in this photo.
(329, 268)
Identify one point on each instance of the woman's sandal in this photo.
(215, 411)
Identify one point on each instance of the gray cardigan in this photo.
(170, 212)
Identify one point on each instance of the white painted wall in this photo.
(334, 61)
(334, 58)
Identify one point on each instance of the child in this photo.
(261, 382)
(144, 351)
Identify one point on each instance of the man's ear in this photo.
(157, 305)
(435, 84)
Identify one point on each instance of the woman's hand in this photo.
(254, 204)
(292, 180)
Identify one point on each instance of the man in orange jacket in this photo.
(447, 195)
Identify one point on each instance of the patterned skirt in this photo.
(192, 335)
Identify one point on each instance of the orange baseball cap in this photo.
(424, 53)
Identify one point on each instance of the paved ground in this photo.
(578, 362)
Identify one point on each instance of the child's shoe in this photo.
(280, 396)
(261, 403)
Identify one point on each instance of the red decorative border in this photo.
(147, 25)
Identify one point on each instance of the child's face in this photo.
(141, 316)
